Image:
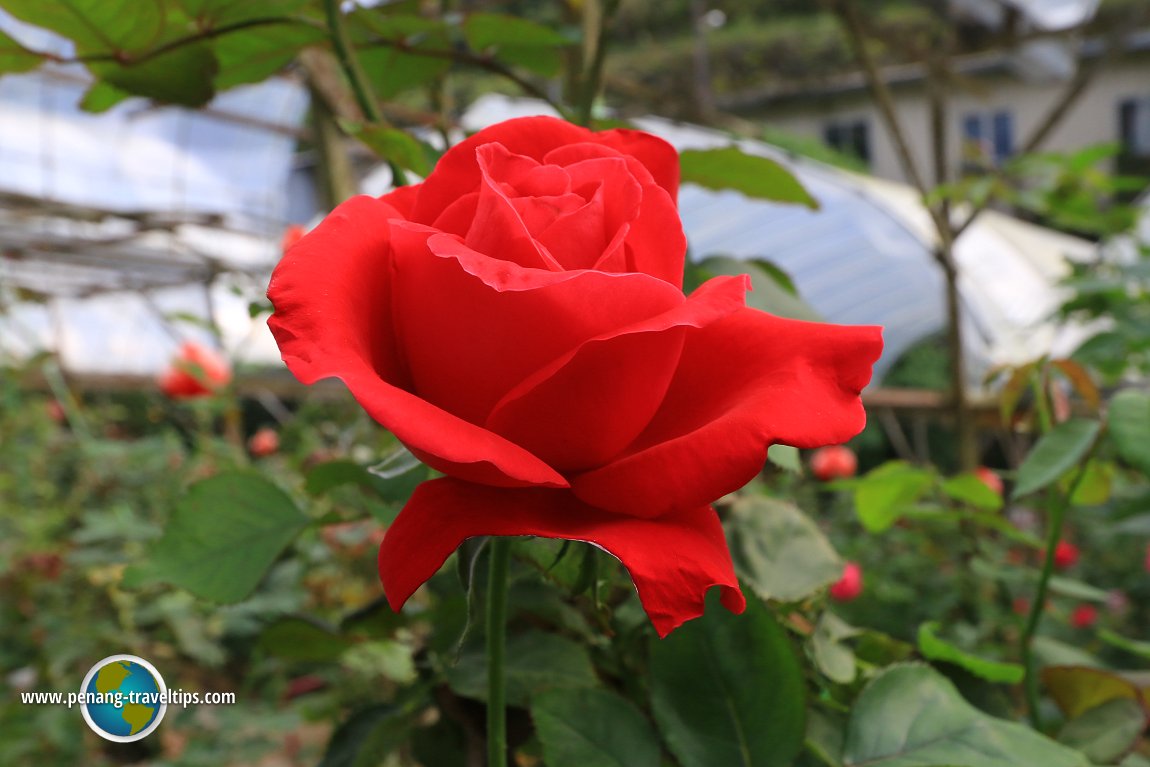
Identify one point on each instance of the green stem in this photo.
(593, 73)
(356, 78)
(497, 651)
(1057, 504)
(1041, 405)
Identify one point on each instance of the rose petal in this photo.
(655, 242)
(579, 239)
(333, 317)
(458, 169)
(743, 383)
(656, 155)
(673, 561)
(535, 137)
(582, 409)
(497, 229)
(473, 327)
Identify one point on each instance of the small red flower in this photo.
(264, 442)
(1084, 616)
(1065, 555)
(835, 462)
(990, 479)
(195, 371)
(1020, 606)
(55, 411)
(850, 585)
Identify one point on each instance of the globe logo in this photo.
(123, 698)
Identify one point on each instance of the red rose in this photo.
(835, 462)
(1065, 555)
(518, 321)
(989, 478)
(1084, 616)
(195, 372)
(850, 585)
(264, 442)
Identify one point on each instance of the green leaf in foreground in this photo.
(536, 662)
(935, 648)
(727, 690)
(593, 728)
(754, 176)
(1059, 450)
(222, 537)
(1129, 420)
(912, 716)
(779, 550)
(1106, 732)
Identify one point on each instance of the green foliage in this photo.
(887, 492)
(754, 176)
(222, 537)
(15, 58)
(727, 690)
(933, 647)
(778, 550)
(593, 728)
(1055, 454)
(536, 662)
(910, 715)
(1129, 425)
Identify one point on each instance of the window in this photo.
(849, 137)
(1134, 127)
(987, 139)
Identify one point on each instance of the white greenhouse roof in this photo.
(116, 222)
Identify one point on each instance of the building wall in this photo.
(1093, 120)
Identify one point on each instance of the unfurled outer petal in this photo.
(673, 561)
(583, 408)
(743, 383)
(332, 295)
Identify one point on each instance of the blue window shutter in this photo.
(1003, 136)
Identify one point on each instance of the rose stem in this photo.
(496, 651)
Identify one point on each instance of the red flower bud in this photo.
(850, 585)
(1084, 616)
(1065, 555)
(835, 462)
(264, 442)
(195, 372)
(56, 411)
(990, 479)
